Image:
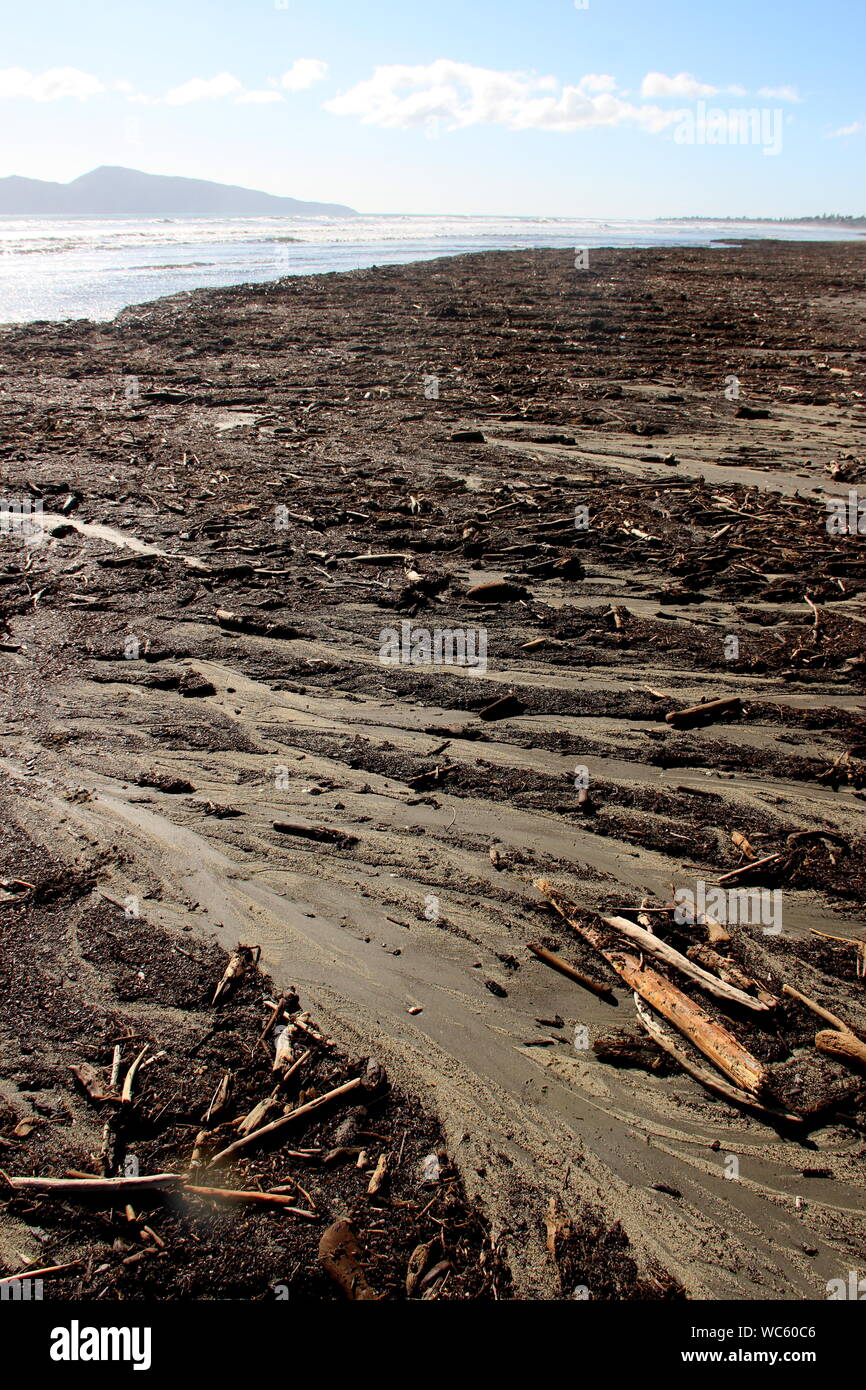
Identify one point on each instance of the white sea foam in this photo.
(91, 267)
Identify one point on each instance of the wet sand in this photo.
(280, 436)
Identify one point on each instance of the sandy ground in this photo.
(278, 437)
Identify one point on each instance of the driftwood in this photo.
(670, 956)
(113, 1189)
(715, 930)
(418, 1263)
(708, 1036)
(298, 1114)
(129, 1079)
(496, 592)
(380, 1176)
(728, 970)
(241, 622)
(819, 1009)
(340, 1256)
(386, 557)
(276, 1010)
(507, 707)
(240, 961)
(843, 1045)
(258, 1116)
(93, 1083)
(703, 714)
(219, 1099)
(660, 1035)
(629, 1052)
(39, 1273)
(230, 1195)
(751, 866)
(314, 832)
(550, 958)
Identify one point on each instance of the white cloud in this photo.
(658, 84)
(52, 85)
(780, 93)
(303, 73)
(461, 95)
(58, 83)
(855, 128)
(258, 98)
(597, 82)
(203, 89)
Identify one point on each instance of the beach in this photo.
(250, 691)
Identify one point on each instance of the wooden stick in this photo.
(39, 1273)
(661, 1036)
(828, 936)
(126, 1093)
(229, 1194)
(817, 1008)
(662, 951)
(708, 1036)
(843, 1045)
(750, 866)
(293, 1115)
(557, 963)
(114, 1188)
(298, 1062)
(703, 714)
(274, 1015)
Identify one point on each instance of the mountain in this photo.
(112, 191)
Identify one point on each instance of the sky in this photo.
(605, 108)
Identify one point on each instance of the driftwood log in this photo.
(556, 962)
(706, 713)
(660, 1035)
(845, 1046)
(709, 1037)
(302, 1110)
(670, 956)
(340, 1256)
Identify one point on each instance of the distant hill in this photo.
(113, 191)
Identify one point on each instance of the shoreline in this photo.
(105, 288)
(555, 388)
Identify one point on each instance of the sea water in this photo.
(92, 267)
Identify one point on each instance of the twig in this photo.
(293, 1115)
(818, 1009)
(126, 1093)
(39, 1273)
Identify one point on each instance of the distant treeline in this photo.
(825, 218)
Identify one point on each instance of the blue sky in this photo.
(531, 107)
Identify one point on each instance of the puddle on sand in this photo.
(122, 539)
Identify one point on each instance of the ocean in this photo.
(92, 267)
